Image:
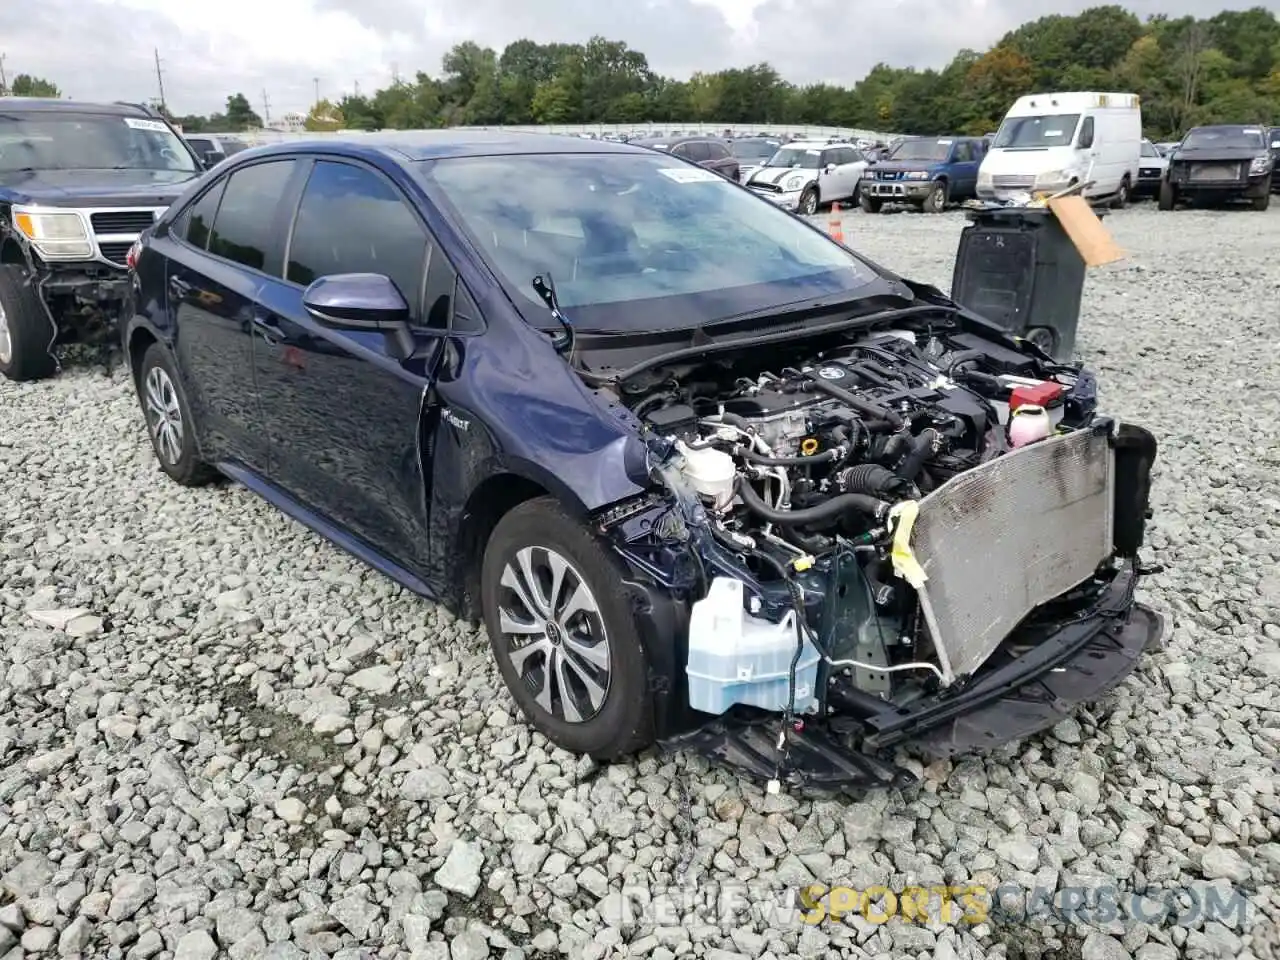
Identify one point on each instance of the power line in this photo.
(160, 82)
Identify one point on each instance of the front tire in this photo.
(936, 201)
(871, 204)
(808, 203)
(1167, 196)
(1121, 199)
(1262, 202)
(169, 422)
(26, 332)
(562, 633)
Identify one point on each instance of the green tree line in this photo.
(1188, 71)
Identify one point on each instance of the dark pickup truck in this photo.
(78, 183)
(926, 172)
(1217, 164)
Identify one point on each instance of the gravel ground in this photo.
(250, 745)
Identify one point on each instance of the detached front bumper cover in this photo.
(1073, 662)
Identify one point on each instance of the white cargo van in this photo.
(1048, 141)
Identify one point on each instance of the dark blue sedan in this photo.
(666, 440)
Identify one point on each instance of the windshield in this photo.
(637, 242)
(753, 149)
(806, 157)
(921, 150)
(1149, 149)
(1049, 131)
(75, 141)
(1211, 138)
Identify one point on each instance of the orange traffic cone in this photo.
(834, 227)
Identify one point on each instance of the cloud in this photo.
(104, 49)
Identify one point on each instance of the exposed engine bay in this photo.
(799, 475)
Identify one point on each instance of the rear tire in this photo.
(169, 422)
(26, 332)
(570, 653)
(1168, 197)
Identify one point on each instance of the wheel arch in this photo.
(491, 500)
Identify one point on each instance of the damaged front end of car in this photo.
(923, 535)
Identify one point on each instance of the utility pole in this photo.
(395, 74)
(357, 88)
(160, 80)
(4, 83)
(266, 108)
(316, 83)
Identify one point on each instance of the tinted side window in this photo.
(717, 151)
(963, 152)
(199, 216)
(352, 221)
(243, 231)
(699, 150)
(1086, 132)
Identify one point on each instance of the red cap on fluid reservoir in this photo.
(1041, 395)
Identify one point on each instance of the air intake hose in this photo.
(826, 511)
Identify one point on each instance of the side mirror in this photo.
(829, 168)
(368, 302)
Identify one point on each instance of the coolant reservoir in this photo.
(735, 657)
(1028, 424)
(710, 472)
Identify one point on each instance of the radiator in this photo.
(1009, 535)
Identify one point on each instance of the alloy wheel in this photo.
(553, 634)
(6, 339)
(810, 206)
(164, 415)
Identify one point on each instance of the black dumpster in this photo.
(1017, 267)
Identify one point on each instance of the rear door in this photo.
(342, 410)
(226, 244)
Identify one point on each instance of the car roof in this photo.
(51, 105)
(400, 145)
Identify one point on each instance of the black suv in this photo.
(1219, 163)
(78, 183)
(709, 152)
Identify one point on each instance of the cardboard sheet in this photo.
(1087, 232)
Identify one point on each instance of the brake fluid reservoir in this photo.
(710, 472)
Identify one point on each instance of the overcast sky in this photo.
(102, 49)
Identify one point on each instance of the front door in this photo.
(343, 408)
(964, 169)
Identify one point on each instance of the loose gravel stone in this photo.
(221, 736)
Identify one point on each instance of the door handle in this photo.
(179, 287)
(270, 332)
